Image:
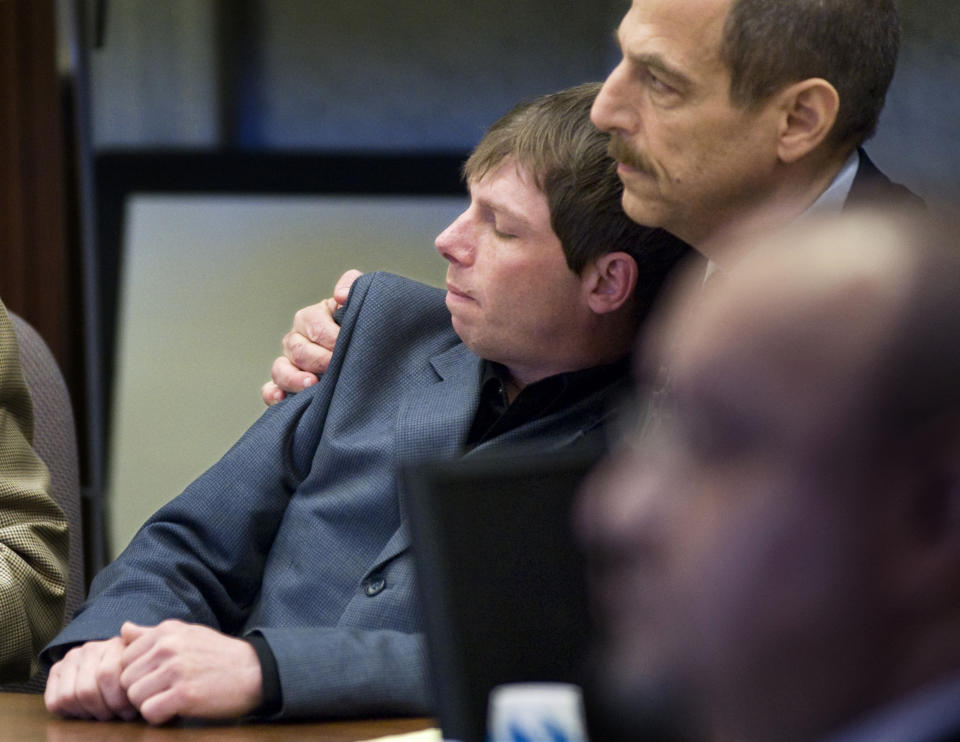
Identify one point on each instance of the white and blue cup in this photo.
(536, 712)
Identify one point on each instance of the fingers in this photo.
(148, 667)
(270, 393)
(58, 696)
(300, 363)
(342, 290)
(161, 706)
(108, 681)
(314, 324)
(308, 347)
(289, 376)
(142, 649)
(180, 669)
(93, 664)
(130, 631)
(86, 683)
(168, 670)
(152, 686)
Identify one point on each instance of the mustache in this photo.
(620, 151)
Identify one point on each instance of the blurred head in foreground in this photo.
(777, 542)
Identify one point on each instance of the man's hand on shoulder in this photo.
(308, 347)
(180, 669)
(85, 684)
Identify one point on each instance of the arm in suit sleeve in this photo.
(33, 530)
(373, 662)
(201, 558)
(344, 671)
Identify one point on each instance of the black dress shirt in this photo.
(496, 415)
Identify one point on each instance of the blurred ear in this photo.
(609, 281)
(808, 111)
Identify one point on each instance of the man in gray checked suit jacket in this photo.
(280, 582)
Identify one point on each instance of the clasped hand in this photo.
(159, 672)
(308, 347)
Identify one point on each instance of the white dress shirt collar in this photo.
(830, 201)
(833, 199)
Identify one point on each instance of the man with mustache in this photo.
(281, 581)
(732, 118)
(728, 118)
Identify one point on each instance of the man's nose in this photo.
(456, 242)
(610, 111)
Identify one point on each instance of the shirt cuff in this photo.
(272, 694)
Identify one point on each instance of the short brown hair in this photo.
(553, 139)
(853, 44)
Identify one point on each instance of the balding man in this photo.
(777, 545)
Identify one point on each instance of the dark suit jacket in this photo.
(872, 188)
(298, 533)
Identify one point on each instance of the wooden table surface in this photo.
(23, 718)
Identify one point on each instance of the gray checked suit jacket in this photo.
(297, 532)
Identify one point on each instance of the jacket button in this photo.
(374, 585)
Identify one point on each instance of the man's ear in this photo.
(609, 281)
(808, 110)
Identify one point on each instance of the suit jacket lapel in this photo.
(433, 420)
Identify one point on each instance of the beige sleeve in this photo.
(33, 529)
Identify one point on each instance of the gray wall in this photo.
(210, 285)
(320, 74)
